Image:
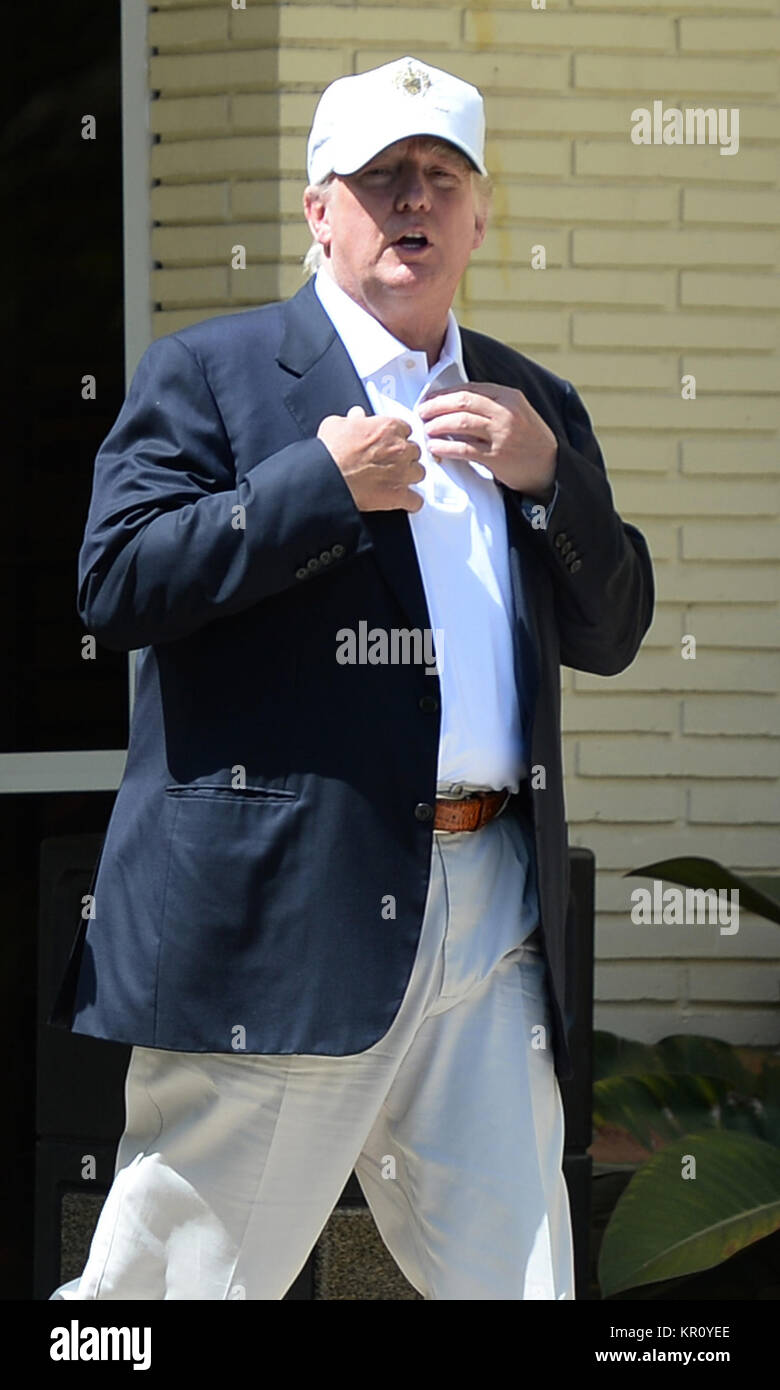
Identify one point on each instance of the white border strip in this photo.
(83, 770)
(101, 769)
(137, 214)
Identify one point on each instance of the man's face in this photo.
(403, 226)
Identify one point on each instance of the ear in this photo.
(315, 209)
(480, 229)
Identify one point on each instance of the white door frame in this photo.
(101, 769)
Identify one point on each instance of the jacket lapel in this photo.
(324, 382)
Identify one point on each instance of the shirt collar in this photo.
(368, 342)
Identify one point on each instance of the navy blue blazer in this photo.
(231, 917)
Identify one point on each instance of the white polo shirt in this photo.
(461, 541)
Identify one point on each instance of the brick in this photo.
(751, 6)
(258, 23)
(751, 291)
(173, 320)
(721, 584)
(505, 156)
(643, 410)
(240, 154)
(620, 756)
(538, 203)
(739, 540)
(738, 35)
(629, 451)
(732, 457)
(617, 981)
(624, 160)
(296, 109)
(177, 287)
(527, 330)
(616, 936)
(672, 330)
(656, 671)
(567, 114)
(206, 29)
(755, 805)
(712, 76)
(491, 72)
(316, 67)
(728, 373)
(488, 283)
(248, 70)
(623, 847)
(682, 498)
(752, 629)
(294, 240)
(190, 116)
(601, 800)
(597, 369)
(169, 5)
(751, 983)
(512, 245)
(551, 30)
(731, 714)
(614, 895)
(263, 112)
(653, 247)
(191, 203)
(353, 25)
(255, 285)
(213, 245)
(273, 198)
(748, 207)
(590, 713)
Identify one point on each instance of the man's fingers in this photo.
(474, 426)
(473, 397)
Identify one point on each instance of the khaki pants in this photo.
(230, 1164)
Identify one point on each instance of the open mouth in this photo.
(413, 241)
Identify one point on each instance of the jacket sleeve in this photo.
(167, 547)
(600, 566)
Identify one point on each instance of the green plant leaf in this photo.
(695, 872)
(665, 1226)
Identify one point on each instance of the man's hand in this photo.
(377, 458)
(494, 425)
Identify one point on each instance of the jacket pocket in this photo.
(218, 791)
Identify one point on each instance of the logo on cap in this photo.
(413, 80)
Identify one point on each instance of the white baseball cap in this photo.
(356, 117)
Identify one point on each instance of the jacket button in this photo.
(325, 557)
(560, 540)
(337, 551)
(428, 704)
(313, 564)
(302, 574)
(423, 811)
(576, 566)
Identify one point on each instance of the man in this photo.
(353, 544)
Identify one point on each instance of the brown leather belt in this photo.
(471, 812)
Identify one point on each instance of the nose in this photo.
(412, 192)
